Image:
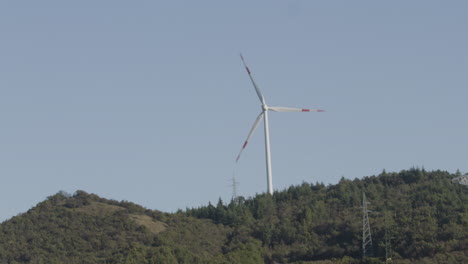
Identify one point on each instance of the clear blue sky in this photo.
(149, 102)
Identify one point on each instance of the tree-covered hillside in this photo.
(417, 217)
(423, 213)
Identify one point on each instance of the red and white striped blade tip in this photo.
(245, 144)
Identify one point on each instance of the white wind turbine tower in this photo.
(264, 115)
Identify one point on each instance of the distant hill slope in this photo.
(424, 215)
(85, 228)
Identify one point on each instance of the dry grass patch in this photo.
(99, 209)
(153, 226)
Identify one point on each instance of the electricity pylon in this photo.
(367, 250)
(234, 188)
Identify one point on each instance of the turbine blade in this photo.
(260, 95)
(252, 130)
(289, 109)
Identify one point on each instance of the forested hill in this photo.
(423, 215)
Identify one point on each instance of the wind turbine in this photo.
(264, 115)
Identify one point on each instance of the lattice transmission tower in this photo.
(367, 249)
(234, 185)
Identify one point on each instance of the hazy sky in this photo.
(149, 102)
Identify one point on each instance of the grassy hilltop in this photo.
(424, 215)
